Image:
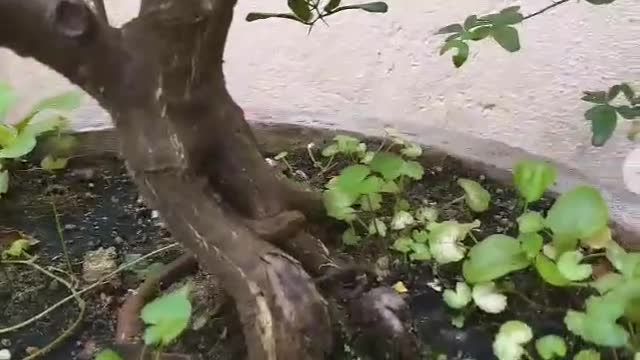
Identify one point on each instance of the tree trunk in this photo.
(194, 158)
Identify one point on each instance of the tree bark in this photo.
(194, 158)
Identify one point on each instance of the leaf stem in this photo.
(454, 201)
(65, 251)
(545, 9)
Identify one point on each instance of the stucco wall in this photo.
(366, 71)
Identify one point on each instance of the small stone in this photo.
(69, 227)
(271, 162)
(84, 174)
(118, 240)
(31, 350)
(438, 169)
(155, 214)
(302, 175)
(482, 177)
(5, 342)
(5, 354)
(91, 185)
(99, 263)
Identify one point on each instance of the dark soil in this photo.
(98, 207)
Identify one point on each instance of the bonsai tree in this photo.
(194, 158)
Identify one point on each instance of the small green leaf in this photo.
(488, 299)
(413, 170)
(507, 37)
(570, 267)
(411, 150)
(64, 102)
(445, 238)
(338, 204)
(403, 244)
(599, 240)
(7, 99)
(607, 282)
(349, 237)
(453, 28)
(508, 344)
(628, 91)
(578, 213)
(628, 264)
(458, 322)
(17, 248)
(600, 2)
(167, 317)
(604, 119)
(613, 92)
(254, 16)
(50, 163)
(470, 22)
(420, 236)
(531, 244)
(4, 182)
(23, 144)
(628, 112)
(8, 135)
(401, 220)
(549, 272)
(371, 202)
(530, 222)
(401, 205)
(372, 7)
(389, 165)
(458, 298)
(587, 355)
(476, 197)
(300, 8)
(507, 16)
(377, 226)
(462, 51)
(551, 347)
(390, 187)
(332, 4)
(532, 178)
(597, 97)
(330, 150)
(494, 257)
(420, 252)
(108, 354)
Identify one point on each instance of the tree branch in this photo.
(545, 9)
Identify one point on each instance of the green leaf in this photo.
(332, 4)
(50, 163)
(600, 2)
(349, 237)
(167, 317)
(628, 92)
(108, 354)
(64, 102)
(413, 170)
(628, 264)
(470, 22)
(420, 252)
(530, 222)
(613, 92)
(599, 240)
(23, 144)
(551, 347)
(372, 7)
(254, 16)
(549, 272)
(453, 28)
(17, 248)
(338, 204)
(480, 33)
(603, 119)
(488, 299)
(389, 165)
(587, 355)
(420, 236)
(7, 99)
(351, 178)
(377, 226)
(628, 112)
(403, 245)
(507, 37)
(578, 213)
(597, 97)
(531, 244)
(508, 344)
(458, 298)
(4, 182)
(598, 328)
(507, 16)
(390, 187)
(607, 282)
(401, 205)
(462, 51)
(346, 144)
(330, 150)
(445, 238)
(300, 8)
(476, 197)
(371, 202)
(8, 135)
(570, 267)
(401, 220)
(532, 178)
(494, 257)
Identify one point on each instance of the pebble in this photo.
(85, 174)
(31, 350)
(70, 227)
(99, 263)
(5, 342)
(5, 354)
(155, 214)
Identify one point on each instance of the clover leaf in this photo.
(487, 298)
(570, 267)
(551, 346)
(167, 317)
(458, 298)
(509, 342)
(476, 197)
(445, 237)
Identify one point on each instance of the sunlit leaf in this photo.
(50, 163)
(420, 252)
(530, 222)
(420, 236)
(64, 102)
(488, 299)
(445, 238)
(588, 354)
(549, 272)
(607, 282)
(22, 145)
(403, 245)
(531, 244)
(532, 178)
(476, 197)
(578, 213)
(411, 150)
(458, 298)
(551, 347)
(17, 248)
(389, 165)
(338, 204)
(108, 354)
(400, 288)
(570, 267)
(426, 214)
(371, 202)
(349, 237)
(377, 226)
(494, 257)
(8, 135)
(599, 240)
(512, 335)
(597, 97)
(401, 220)
(167, 317)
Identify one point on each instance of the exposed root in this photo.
(128, 324)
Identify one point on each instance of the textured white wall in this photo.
(365, 71)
